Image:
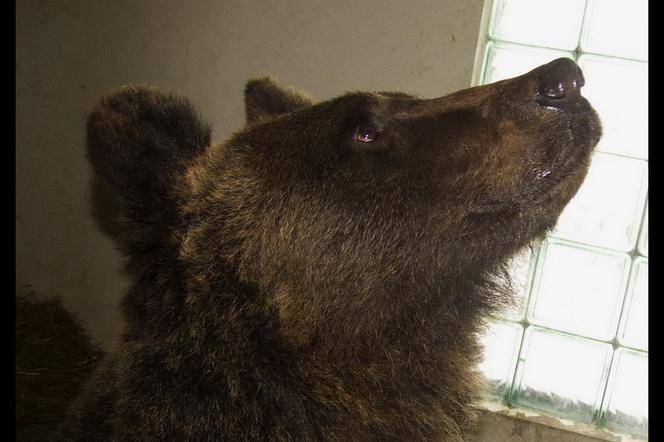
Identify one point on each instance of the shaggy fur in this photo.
(297, 284)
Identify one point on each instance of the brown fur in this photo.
(295, 284)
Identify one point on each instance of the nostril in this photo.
(579, 82)
(557, 91)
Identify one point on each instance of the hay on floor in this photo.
(54, 356)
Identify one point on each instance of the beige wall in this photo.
(71, 51)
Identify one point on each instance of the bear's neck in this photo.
(343, 381)
(405, 379)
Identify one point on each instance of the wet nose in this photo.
(559, 83)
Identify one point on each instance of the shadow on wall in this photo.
(106, 209)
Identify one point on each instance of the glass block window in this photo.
(577, 344)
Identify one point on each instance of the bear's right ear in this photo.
(265, 99)
(141, 140)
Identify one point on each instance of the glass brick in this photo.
(548, 23)
(627, 409)
(618, 28)
(579, 290)
(643, 240)
(618, 90)
(634, 331)
(607, 209)
(501, 348)
(506, 61)
(562, 375)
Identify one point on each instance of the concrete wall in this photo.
(498, 423)
(69, 52)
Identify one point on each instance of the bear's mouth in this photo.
(560, 164)
(492, 205)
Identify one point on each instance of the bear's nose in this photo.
(559, 83)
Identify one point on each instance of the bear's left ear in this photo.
(265, 99)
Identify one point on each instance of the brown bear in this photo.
(322, 275)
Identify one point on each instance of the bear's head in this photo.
(356, 211)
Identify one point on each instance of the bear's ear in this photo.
(265, 99)
(141, 140)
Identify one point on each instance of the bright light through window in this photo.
(577, 346)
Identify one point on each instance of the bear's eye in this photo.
(367, 134)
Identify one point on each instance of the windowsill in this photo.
(499, 423)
